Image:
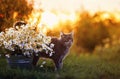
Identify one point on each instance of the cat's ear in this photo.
(61, 33)
(72, 33)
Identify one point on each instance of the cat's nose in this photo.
(70, 40)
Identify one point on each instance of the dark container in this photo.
(20, 61)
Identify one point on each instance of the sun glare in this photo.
(49, 19)
(56, 13)
(117, 16)
(105, 16)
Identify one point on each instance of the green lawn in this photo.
(82, 66)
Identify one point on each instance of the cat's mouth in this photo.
(68, 43)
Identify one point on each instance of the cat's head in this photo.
(67, 38)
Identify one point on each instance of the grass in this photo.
(83, 66)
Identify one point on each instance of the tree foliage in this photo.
(12, 10)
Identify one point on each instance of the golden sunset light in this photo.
(76, 5)
(49, 18)
(56, 12)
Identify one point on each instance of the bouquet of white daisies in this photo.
(24, 39)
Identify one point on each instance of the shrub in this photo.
(89, 33)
